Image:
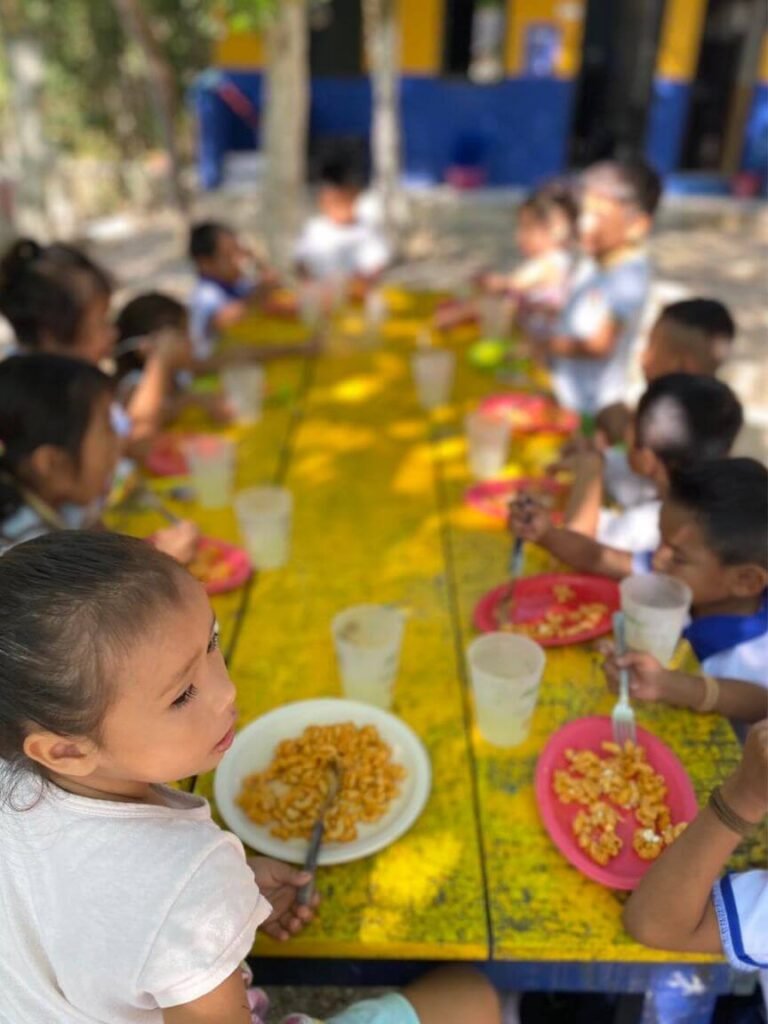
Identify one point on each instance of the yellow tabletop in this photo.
(379, 516)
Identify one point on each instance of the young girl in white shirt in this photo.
(128, 903)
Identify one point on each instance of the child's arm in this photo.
(672, 906)
(586, 498)
(532, 522)
(650, 681)
(228, 1002)
(598, 345)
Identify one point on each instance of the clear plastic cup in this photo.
(493, 316)
(311, 304)
(506, 671)
(265, 515)
(244, 388)
(656, 609)
(433, 370)
(211, 463)
(368, 638)
(487, 444)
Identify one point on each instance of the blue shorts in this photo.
(389, 1009)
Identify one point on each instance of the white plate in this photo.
(254, 748)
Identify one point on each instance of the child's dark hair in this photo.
(547, 201)
(707, 316)
(44, 399)
(343, 172)
(144, 315)
(729, 500)
(71, 603)
(45, 291)
(685, 418)
(204, 239)
(630, 181)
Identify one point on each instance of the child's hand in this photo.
(528, 519)
(746, 791)
(280, 884)
(178, 541)
(218, 407)
(647, 677)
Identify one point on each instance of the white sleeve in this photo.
(634, 529)
(372, 254)
(208, 930)
(204, 305)
(741, 905)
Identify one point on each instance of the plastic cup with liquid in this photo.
(368, 639)
(211, 462)
(487, 444)
(265, 516)
(244, 388)
(656, 608)
(433, 372)
(505, 670)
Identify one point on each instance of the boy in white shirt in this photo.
(714, 537)
(681, 419)
(590, 347)
(683, 903)
(336, 245)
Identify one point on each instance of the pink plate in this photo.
(529, 414)
(491, 497)
(166, 458)
(625, 870)
(534, 596)
(236, 561)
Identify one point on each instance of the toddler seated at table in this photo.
(130, 903)
(714, 537)
(226, 293)
(691, 336)
(681, 419)
(336, 246)
(536, 290)
(590, 346)
(59, 451)
(683, 902)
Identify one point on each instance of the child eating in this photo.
(683, 903)
(129, 903)
(590, 347)
(714, 537)
(680, 420)
(59, 451)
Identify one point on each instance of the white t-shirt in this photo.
(328, 250)
(633, 529)
(617, 292)
(208, 297)
(112, 911)
(741, 905)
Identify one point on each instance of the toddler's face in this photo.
(607, 224)
(685, 553)
(227, 262)
(174, 712)
(337, 204)
(534, 237)
(84, 480)
(96, 336)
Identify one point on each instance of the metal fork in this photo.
(623, 717)
(335, 774)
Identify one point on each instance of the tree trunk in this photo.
(160, 86)
(27, 147)
(284, 138)
(383, 48)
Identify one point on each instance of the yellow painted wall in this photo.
(239, 50)
(421, 36)
(567, 15)
(680, 39)
(762, 74)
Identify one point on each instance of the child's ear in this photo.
(47, 463)
(748, 580)
(61, 754)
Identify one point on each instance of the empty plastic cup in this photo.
(433, 370)
(211, 461)
(368, 638)
(265, 515)
(244, 388)
(487, 444)
(656, 609)
(506, 671)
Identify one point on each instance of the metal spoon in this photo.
(335, 773)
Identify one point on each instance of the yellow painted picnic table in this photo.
(379, 516)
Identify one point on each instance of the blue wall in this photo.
(666, 124)
(517, 130)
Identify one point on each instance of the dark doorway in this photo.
(613, 91)
(457, 38)
(336, 38)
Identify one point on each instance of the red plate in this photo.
(166, 457)
(230, 558)
(534, 596)
(625, 870)
(529, 414)
(492, 497)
